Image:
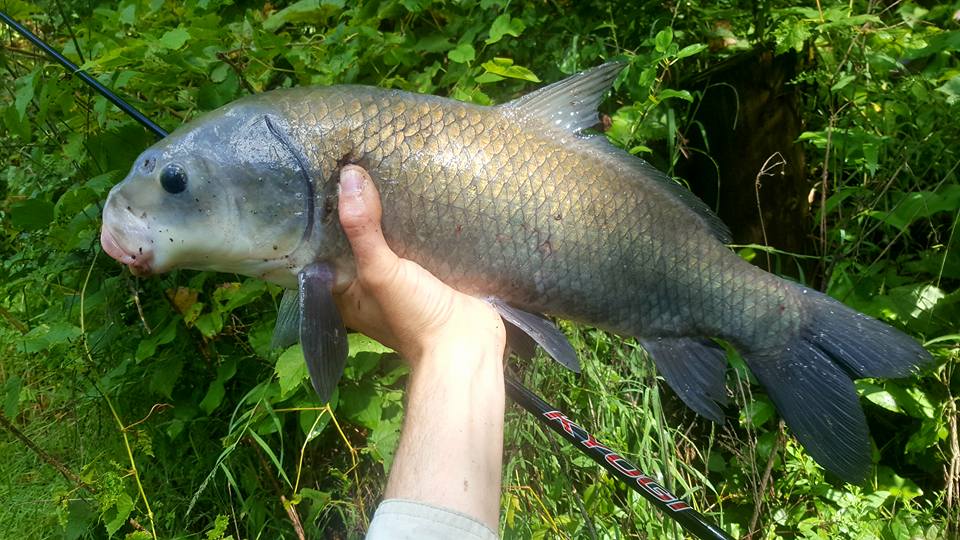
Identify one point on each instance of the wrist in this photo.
(460, 351)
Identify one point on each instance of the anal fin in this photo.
(696, 370)
(322, 334)
(541, 330)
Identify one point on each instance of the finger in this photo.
(360, 211)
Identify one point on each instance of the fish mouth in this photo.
(139, 262)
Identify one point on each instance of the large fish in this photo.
(515, 204)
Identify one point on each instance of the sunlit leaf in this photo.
(504, 67)
(462, 53)
(291, 369)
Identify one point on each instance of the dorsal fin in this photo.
(570, 104)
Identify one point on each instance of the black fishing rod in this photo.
(75, 70)
(678, 510)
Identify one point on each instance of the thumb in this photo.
(360, 211)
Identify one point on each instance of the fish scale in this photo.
(516, 204)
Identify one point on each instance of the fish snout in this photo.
(139, 260)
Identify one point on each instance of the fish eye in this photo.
(173, 179)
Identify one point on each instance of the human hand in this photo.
(398, 302)
(450, 449)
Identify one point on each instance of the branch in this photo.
(50, 460)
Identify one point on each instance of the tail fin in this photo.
(811, 384)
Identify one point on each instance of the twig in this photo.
(294, 517)
(225, 58)
(161, 406)
(765, 481)
(136, 300)
(16, 323)
(824, 182)
(50, 460)
(28, 54)
(953, 465)
(291, 509)
(766, 170)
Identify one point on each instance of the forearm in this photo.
(450, 450)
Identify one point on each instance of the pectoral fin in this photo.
(322, 335)
(288, 320)
(542, 331)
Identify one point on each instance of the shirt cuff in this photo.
(400, 519)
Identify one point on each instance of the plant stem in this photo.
(113, 410)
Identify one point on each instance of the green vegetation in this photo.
(168, 416)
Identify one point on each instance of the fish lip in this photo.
(139, 265)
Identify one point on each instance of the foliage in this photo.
(162, 397)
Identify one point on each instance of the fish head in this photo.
(222, 193)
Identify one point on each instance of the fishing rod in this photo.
(678, 510)
(74, 70)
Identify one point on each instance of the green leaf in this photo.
(898, 486)
(691, 50)
(303, 11)
(209, 324)
(462, 53)
(174, 39)
(488, 77)
(382, 441)
(148, 346)
(307, 419)
(24, 93)
(365, 355)
(844, 81)
(433, 43)
(11, 393)
(669, 93)
(217, 390)
(505, 68)
(878, 396)
(415, 6)
(219, 528)
(361, 404)
(919, 205)
(116, 516)
(74, 201)
(272, 455)
(31, 214)
(663, 40)
(504, 25)
(45, 336)
(128, 14)
(164, 375)
(82, 516)
(951, 89)
(757, 412)
(791, 33)
(291, 370)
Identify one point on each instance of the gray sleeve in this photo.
(399, 519)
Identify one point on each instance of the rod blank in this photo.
(75, 70)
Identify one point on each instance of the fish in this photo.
(522, 204)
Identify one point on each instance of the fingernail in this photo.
(351, 182)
